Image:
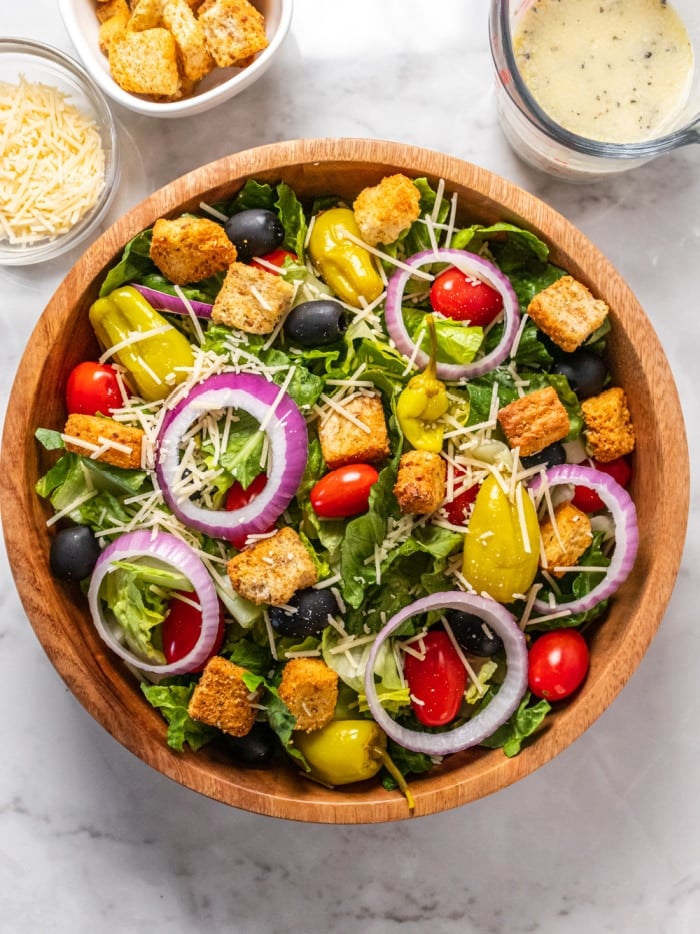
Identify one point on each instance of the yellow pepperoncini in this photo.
(154, 363)
(501, 545)
(345, 265)
(422, 403)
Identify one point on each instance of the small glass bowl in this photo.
(38, 63)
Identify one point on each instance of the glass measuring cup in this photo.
(547, 145)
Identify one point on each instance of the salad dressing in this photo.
(618, 71)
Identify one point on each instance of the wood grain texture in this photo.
(59, 615)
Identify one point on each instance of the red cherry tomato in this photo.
(587, 500)
(275, 258)
(558, 663)
(437, 682)
(344, 491)
(181, 628)
(92, 388)
(457, 509)
(239, 496)
(465, 298)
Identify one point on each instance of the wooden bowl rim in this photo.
(107, 690)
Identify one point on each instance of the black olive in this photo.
(550, 456)
(316, 323)
(473, 634)
(259, 748)
(254, 232)
(73, 553)
(585, 372)
(312, 609)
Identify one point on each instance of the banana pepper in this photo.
(501, 545)
(346, 266)
(154, 363)
(422, 402)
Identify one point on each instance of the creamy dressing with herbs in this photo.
(612, 70)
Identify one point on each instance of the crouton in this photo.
(567, 312)
(608, 425)
(420, 483)
(355, 433)
(104, 440)
(384, 211)
(111, 27)
(273, 569)
(234, 31)
(146, 14)
(534, 421)
(188, 249)
(195, 60)
(110, 8)
(565, 539)
(221, 698)
(252, 299)
(145, 62)
(309, 688)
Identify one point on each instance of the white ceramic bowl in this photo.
(222, 84)
(42, 64)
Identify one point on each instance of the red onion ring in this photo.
(164, 301)
(179, 555)
(498, 710)
(286, 431)
(471, 265)
(624, 515)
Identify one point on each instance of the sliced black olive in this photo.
(254, 232)
(73, 553)
(550, 456)
(316, 323)
(259, 748)
(312, 608)
(473, 634)
(584, 370)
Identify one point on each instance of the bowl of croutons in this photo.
(176, 58)
(330, 481)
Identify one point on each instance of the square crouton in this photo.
(534, 421)
(188, 249)
(146, 14)
(234, 31)
(567, 312)
(608, 425)
(110, 8)
(221, 698)
(194, 57)
(145, 62)
(309, 688)
(420, 483)
(273, 569)
(104, 439)
(384, 211)
(565, 539)
(252, 300)
(111, 27)
(355, 433)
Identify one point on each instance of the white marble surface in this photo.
(604, 838)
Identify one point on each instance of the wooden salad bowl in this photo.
(108, 690)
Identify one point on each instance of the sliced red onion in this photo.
(624, 515)
(288, 447)
(498, 710)
(177, 554)
(164, 301)
(471, 265)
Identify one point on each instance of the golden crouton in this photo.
(565, 539)
(420, 484)
(221, 698)
(110, 8)
(195, 60)
(384, 211)
(252, 299)
(608, 425)
(145, 62)
(534, 421)
(355, 433)
(111, 27)
(273, 569)
(104, 439)
(567, 312)
(188, 249)
(309, 688)
(146, 14)
(234, 31)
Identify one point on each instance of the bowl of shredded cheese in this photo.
(58, 153)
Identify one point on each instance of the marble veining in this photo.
(605, 837)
